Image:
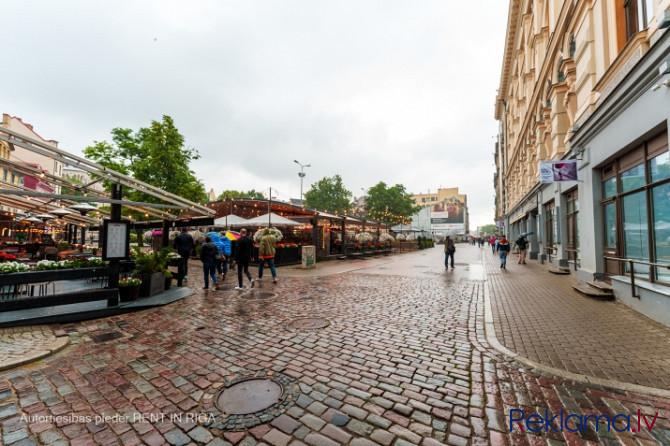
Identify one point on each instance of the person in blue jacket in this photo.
(227, 250)
(219, 245)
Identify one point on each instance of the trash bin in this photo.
(309, 256)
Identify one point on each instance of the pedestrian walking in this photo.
(225, 241)
(492, 242)
(449, 250)
(244, 254)
(266, 253)
(209, 253)
(503, 249)
(522, 243)
(183, 244)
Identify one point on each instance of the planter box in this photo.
(129, 293)
(152, 284)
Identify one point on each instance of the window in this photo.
(661, 216)
(572, 217)
(641, 228)
(638, 16)
(549, 227)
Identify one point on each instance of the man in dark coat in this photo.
(244, 254)
(183, 244)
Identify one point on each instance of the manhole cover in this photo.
(250, 399)
(258, 295)
(309, 323)
(249, 396)
(104, 337)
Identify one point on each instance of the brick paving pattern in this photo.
(539, 316)
(403, 361)
(26, 344)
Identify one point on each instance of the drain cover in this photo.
(104, 337)
(309, 323)
(258, 295)
(249, 399)
(249, 396)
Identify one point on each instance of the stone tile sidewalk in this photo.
(23, 345)
(537, 315)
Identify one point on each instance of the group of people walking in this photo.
(498, 245)
(215, 258)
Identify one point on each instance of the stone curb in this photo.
(55, 346)
(591, 380)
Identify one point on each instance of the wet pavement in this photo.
(389, 351)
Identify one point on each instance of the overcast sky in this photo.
(394, 91)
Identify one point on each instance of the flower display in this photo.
(12, 267)
(275, 233)
(386, 238)
(125, 282)
(287, 245)
(172, 256)
(364, 237)
(7, 257)
(45, 265)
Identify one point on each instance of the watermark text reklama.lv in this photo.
(578, 422)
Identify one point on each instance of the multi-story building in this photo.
(83, 178)
(447, 212)
(28, 157)
(588, 82)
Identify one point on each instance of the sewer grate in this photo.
(255, 295)
(104, 337)
(308, 323)
(250, 399)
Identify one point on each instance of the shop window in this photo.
(636, 231)
(641, 228)
(661, 216)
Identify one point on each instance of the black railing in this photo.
(631, 264)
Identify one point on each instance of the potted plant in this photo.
(129, 288)
(150, 267)
(168, 279)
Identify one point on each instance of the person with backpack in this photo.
(503, 249)
(449, 250)
(522, 243)
(209, 254)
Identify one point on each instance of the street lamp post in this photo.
(301, 174)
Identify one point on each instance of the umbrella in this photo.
(524, 234)
(232, 235)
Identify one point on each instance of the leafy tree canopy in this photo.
(392, 205)
(487, 229)
(329, 194)
(253, 193)
(155, 155)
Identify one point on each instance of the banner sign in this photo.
(558, 171)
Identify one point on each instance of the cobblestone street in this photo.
(389, 351)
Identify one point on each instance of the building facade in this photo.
(589, 82)
(444, 212)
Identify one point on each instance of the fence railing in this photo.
(631, 264)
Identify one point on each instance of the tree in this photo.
(154, 155)
(253, 194)
(487, 229)
(329, 194)
(392, 205)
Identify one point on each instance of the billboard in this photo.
(447, 215)
(558, 171)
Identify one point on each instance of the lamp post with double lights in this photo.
(301, 174)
